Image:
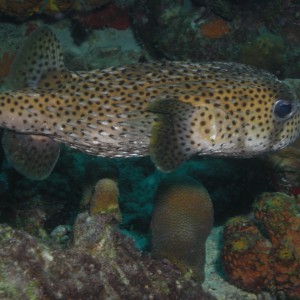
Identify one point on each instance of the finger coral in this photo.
(100, 188)
(105, 198)
(263, 254)
(181, 221)
(94, 171)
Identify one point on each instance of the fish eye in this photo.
(283, 109)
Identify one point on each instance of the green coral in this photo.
(267, 51)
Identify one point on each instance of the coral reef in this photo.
(245, 248)
(95, 171)
(100, 264)
(294, 84)
(111, 16)
(263, 253)
(175, 31)
(53, 204)
(41, 206)
(214, 29)
(105, 198)
(181, 221)
(261, 33)
(285, 166)
(266, 51)
(5, 64)
(24, 9)
(221, 8)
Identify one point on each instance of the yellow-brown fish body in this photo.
(172, 110)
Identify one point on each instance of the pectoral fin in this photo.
(32, 155)
(170, 143)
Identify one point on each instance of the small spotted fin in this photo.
(170, 144)
(39, 57)
(31, 155)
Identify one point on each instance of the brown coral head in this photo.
(181, 221)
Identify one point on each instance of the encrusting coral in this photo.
(263, 253)
(181, 221)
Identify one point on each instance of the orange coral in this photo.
(264, 254)
(181, 221)
(243, 244)
(215, 28)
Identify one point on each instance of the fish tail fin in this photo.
(170, 143)
(39, 63)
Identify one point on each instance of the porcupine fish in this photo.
(170, 110)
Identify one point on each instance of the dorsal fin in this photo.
(39, 57)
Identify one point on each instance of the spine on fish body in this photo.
(96, 127)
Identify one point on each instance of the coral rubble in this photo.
(100, 264)
(263, 253)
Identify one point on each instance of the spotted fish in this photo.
(170, 110)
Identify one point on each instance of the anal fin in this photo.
(32, 155)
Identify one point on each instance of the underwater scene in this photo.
(149, 149)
